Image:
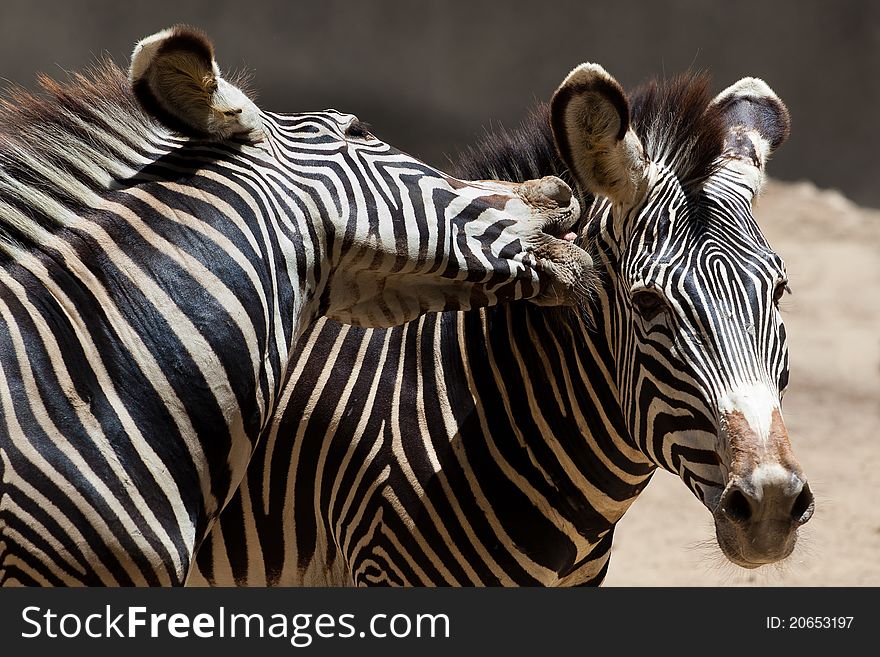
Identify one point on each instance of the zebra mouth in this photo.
(561, 233)
(560, 227)
(566, 236)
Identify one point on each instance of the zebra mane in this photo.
(517, 155)
(680, 127)
(62, 149)
(673, 118)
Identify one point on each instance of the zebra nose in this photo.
(780, 501)
(556, 190)
(548, 194)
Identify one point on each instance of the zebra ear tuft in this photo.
(177, 81)
(757, 122)
(589, 117)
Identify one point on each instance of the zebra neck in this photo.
(181, 304)
(566, 366)
(544, 383)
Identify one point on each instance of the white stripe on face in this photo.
(756, 402)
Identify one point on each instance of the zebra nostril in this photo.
(561, 193)
(737, 506)
(802, 509)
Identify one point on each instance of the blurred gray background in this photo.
(431, 76)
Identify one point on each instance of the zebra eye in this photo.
(780, 291)
(649, 304)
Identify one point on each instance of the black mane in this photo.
(679, 127)
(525, 153)
(673, 119)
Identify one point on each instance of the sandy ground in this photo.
(832, 410)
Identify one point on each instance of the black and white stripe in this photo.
(501, 446)
(152, 287)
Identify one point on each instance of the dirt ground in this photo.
(832, 410)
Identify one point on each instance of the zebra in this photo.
(501, 446)
(163, 244)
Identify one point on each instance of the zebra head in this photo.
(398, 237)
(691, 293)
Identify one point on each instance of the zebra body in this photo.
(435, 461)
(501, 446)
(155, 277)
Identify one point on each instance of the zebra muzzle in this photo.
(767, 497)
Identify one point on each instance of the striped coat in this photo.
(502, 446)
(164, 242)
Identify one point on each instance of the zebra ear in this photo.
(589, 117)
(757, 123)
(176, 80)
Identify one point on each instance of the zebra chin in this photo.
(569, 276)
